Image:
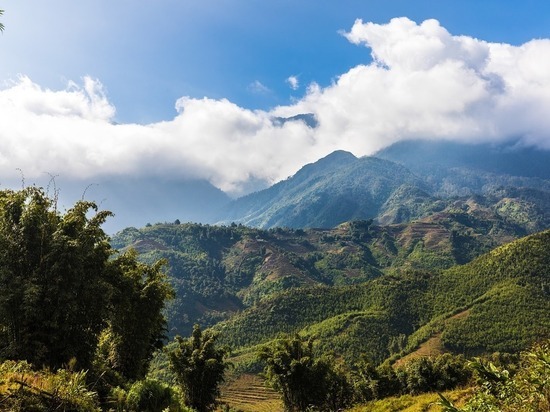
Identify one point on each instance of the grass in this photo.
(22, 388)
(427, 402)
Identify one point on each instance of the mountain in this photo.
(364, 255)
(457, 169)
(336, 189)
(379, 260)
(498, 302)
(220, 270)
(406, 181)
(309, 119)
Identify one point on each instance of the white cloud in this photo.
(70, 133)
(258, 87)
(426, 83)
(293, 82)
(423, 83)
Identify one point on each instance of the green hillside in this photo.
(339, 284)
(504, 297)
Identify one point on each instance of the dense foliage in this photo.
(304, 381)
(65, 299)
(136, 328)
(199, 365)
(54, 278)
(498, 302)
(525, 387)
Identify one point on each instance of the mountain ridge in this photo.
(320, 196)
(405, 181)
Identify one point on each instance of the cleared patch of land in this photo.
(248, 393)
(431, 347)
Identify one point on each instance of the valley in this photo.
(368, 260)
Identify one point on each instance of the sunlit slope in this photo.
(504, 297)
(220, 270)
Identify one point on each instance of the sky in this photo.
(193, 89)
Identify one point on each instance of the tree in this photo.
(1, 25)
(136, 324)
(302, 380)
(54, 295)
(199, 365)
(59, 287)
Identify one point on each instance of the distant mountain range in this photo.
(405, 181)
(456, 169)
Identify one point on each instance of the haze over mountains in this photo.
(402, 182)
(405, 181)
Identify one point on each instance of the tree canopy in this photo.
(199, 365)
(303, 380)
(61, 287)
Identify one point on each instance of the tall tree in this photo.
(1, 25)
(59, 287)
(54, 295)
(199, 365)
(137, 324)
(303, 381)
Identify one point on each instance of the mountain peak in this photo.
(335, 159)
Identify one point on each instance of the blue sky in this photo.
(149, 53)
(189, 89)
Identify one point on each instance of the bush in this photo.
(24, 389)
(151, 396)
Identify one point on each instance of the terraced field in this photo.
(247, 393)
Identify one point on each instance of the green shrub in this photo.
(150, 395)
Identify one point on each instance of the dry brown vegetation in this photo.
(248, 393)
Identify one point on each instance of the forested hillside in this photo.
(390, 303)
(220, 270)
(498, 302)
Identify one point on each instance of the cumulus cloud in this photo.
(422, 82)
(293, 82)
(71, 133)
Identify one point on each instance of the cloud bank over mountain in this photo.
(422, 82)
